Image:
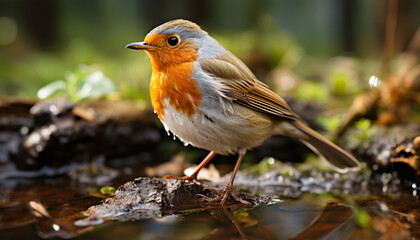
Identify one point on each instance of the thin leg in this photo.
(228, 189)
(193, 176)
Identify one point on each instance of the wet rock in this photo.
(9, 143)
(288, 181)
(15, 119)
(63, 133)
(388, 149)
(45, 112)
(154, 198)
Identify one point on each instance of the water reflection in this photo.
(48, 209)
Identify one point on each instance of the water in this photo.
(310, 216)
(48, 207)
(168, 131)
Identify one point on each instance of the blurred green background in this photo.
(338, 42)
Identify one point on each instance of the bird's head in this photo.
(173, 42)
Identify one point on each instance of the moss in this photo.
(108, 190)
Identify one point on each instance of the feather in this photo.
(244, 88)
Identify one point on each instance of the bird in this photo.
(208, 98)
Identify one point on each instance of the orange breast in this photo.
(171, 77)
(175, 84)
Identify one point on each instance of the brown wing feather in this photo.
(245, 88)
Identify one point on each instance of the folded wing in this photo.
(244, 88)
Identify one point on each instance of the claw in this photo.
(191, 178)
(205, 197)
(239, 199)
(213, 190)
(223, 196)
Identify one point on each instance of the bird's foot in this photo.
(191, 178)
(223, 196)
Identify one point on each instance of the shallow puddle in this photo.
(48, 208)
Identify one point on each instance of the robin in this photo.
(210, 99)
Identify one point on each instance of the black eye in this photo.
(173, 41)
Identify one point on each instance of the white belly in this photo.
(223, 130)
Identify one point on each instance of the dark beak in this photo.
(140, 46)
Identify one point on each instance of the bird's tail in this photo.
(339, 159)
